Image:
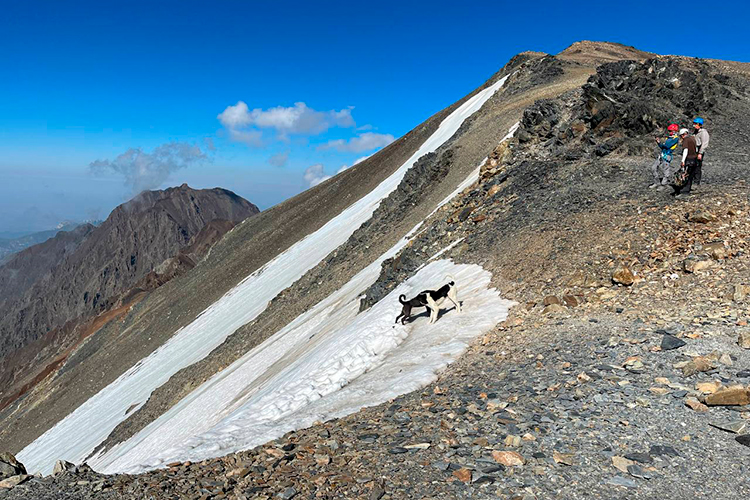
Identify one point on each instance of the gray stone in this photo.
(643, 458)
(622, 481)
(670, 342)
(736, 426)
(63, 466)
(288, 493)
(636, 470)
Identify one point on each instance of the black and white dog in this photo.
(431, 299)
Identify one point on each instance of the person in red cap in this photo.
(661, 168)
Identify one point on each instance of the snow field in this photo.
(329, 363)
(76, 436)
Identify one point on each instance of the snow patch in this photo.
(329, 362)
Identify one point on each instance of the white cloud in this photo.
(252, 138)
(246, 126)
(363, 142)
(142, 170)
(314, 175)
(279, 160)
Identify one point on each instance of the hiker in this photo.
(661, 168)
(701, 141)
(683, 178)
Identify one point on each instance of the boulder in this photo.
(9, 466)
(14, 481)
(701, 217)
(623, 276)
(735, 395)
(63, 466)
(695, 265)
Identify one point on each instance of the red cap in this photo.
(673, 127)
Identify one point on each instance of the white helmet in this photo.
(684, 131)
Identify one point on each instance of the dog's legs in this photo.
(434, 309)
(453, 296)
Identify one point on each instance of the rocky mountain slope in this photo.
(10, 246)
(49, 292)
(621, 373)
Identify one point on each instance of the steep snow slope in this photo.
(327, 363)
(78, 434)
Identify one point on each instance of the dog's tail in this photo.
(402, 298)
(451, 279)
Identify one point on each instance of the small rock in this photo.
(739, 292)
(744, 340)
(623, 276)
(417, 446)
(441, 465)
(570, 300)
(636, 470)
(708, 387)
(670, 342)
(551, 299)
(622, 481)
(288, 493)
(398, 450)
(553, 308)
(621, 463)
(377, 493)
(697, 364)
(695, 404)
(479, 478)
(463, 474)
(695, 265)
(744, 439)
(716, 250)
(726, 360)
(513, 441)
(736, 395)
(641, 457)
(562, 458)
(508, 458)
(701, 217)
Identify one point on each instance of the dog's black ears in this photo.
(451, 283)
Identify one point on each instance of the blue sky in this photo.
(213, 87)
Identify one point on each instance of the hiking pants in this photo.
(661, 170)
(698, 169)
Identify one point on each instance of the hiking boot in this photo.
(654, 185)
(662, 188)
(682, 196)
